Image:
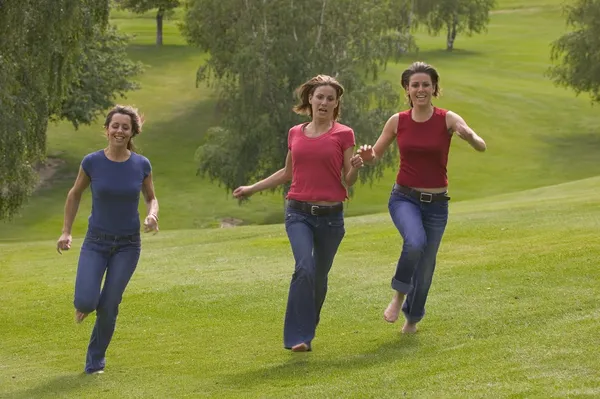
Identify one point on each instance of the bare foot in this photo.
(300, 348)
(393, 310)
(79, 316)
(409, 328)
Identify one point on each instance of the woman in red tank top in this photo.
(321, 165)
(418, 203)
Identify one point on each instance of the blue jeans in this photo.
(315, 241)
(421, 226)
(118, 258)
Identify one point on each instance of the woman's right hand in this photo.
(367, 154)
(243, 192)
(64, 243)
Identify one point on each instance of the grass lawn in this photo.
(513, 312)
(537, 134)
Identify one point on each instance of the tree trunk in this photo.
(159, 26)
(451, 35)
(411, 15)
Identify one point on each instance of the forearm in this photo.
(351, 177)
(272, 181)
(71, 207)
(477, 142)
(152, 207)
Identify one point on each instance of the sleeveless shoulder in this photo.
(440, 111)
(403, 119)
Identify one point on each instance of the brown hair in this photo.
(420, 67)
(308, 88)
(136, 121)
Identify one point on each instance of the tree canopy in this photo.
(453, 16)
(53, 55)
(163, 7)
(260, 52)
(577, 53)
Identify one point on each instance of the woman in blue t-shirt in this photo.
(112, 244)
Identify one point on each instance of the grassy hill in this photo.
(537, 134)
(512, 312)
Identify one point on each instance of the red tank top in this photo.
(423, 149)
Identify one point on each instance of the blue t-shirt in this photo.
(116, 190)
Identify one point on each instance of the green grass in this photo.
(513, 308)
(537, 134)
(512, 312)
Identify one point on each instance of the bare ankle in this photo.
(398, 297)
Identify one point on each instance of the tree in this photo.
(141, 6)
(455, 16)
(104, 72)
(577, 53)
(261, 51)
(45, 52)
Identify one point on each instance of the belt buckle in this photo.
(423, 196)
(313, 210)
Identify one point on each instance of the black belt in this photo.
(315, 210)
(110, 237)
(421, 196)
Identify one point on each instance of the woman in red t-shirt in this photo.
(418, 203)
(321, 165)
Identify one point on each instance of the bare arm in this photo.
(457, 124)
(71, 206)
(372, 154)
(151, 221)
(351, 165)
(73, 199)
(281, 176)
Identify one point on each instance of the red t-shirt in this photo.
(424, 148)
(317, 163)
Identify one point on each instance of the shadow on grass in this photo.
(56, 387)
(570, 155)
(434, 55)
(304, 365)
(153, 56)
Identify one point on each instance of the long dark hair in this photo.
(136, 121)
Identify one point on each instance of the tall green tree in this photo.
(104, 73)
(260, 51)
(163, 8)
(577, 53)
(47, 50)
(453, 17)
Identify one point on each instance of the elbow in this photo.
(287, 176)
(73, 195)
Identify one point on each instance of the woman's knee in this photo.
(415, 244)
(85, 304)
(305, 269)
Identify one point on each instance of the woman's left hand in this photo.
(151, 224)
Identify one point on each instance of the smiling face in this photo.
(420, 89)
(118, 131)
(324, 102)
